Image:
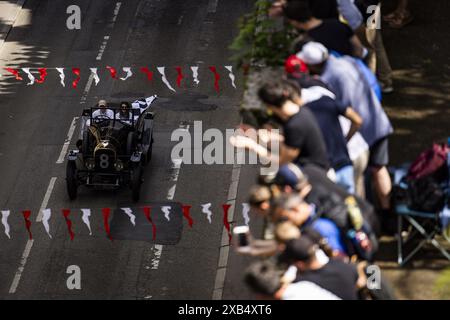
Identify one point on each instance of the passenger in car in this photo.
(124, 115)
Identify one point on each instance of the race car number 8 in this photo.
(104, 161)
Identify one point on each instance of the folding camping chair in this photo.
(424, 224)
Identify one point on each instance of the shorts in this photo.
(379, 153)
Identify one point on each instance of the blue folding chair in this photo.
(425, 224)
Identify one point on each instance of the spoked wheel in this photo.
(136, 182)
(71, 180)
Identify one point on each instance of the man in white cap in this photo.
(103, 112)
(351, 87)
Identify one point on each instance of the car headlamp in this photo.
(90, 164)
(118, 165)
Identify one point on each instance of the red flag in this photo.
(113, 72)
(226, 223)
(147, 212)
(147, 72)
(14, 72)
(76, 71)
(43, 75)
(66, 213)
(180, 76)
(26, 216)
(187, 215)
(216, 78)
(106, 212)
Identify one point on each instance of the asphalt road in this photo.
(35, 121)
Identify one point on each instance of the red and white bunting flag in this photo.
(42, 75)
(128, 72)
(166, 210)
(195, 74)
(226, 222)
(206, 209)
(187, 215)
(245, 213)
(29, 75)
(130, 215)
(26, 217)
(112, 71)
(148, 215)
(147, 71)
(106, 212)
(180, 76)
(162, 71)
(46, 215)
(95, 75)
(5, 215)
(62, 76)
(15, 73)
(216, 78)
(76, 71)
(85, 219)
(231, 75)
(66, 213)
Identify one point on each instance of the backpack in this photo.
(431, 162)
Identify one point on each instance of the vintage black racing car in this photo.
(113, 150)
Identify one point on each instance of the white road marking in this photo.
(102, 48)
(116, 11)
(225, 246)
(29, 245)
(175, 172)
(65, 147)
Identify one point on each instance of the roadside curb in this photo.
(10, 22)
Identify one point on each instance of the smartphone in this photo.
(242, 236)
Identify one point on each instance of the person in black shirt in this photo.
(302, 132)
(332, 33)
(303, 141)
(335, 276)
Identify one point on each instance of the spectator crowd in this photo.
(328, 203)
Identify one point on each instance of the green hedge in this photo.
(261, 41)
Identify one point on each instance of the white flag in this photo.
(46, 215)
(206, 209)
(85, 218)
(231, 75)
(166, 210)
(30, 76)
(128, 71)
(195, 74)
(5, 215)
(162, 71)
(62, 76)
(130, 214)
(245, 211)
(94, 73)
